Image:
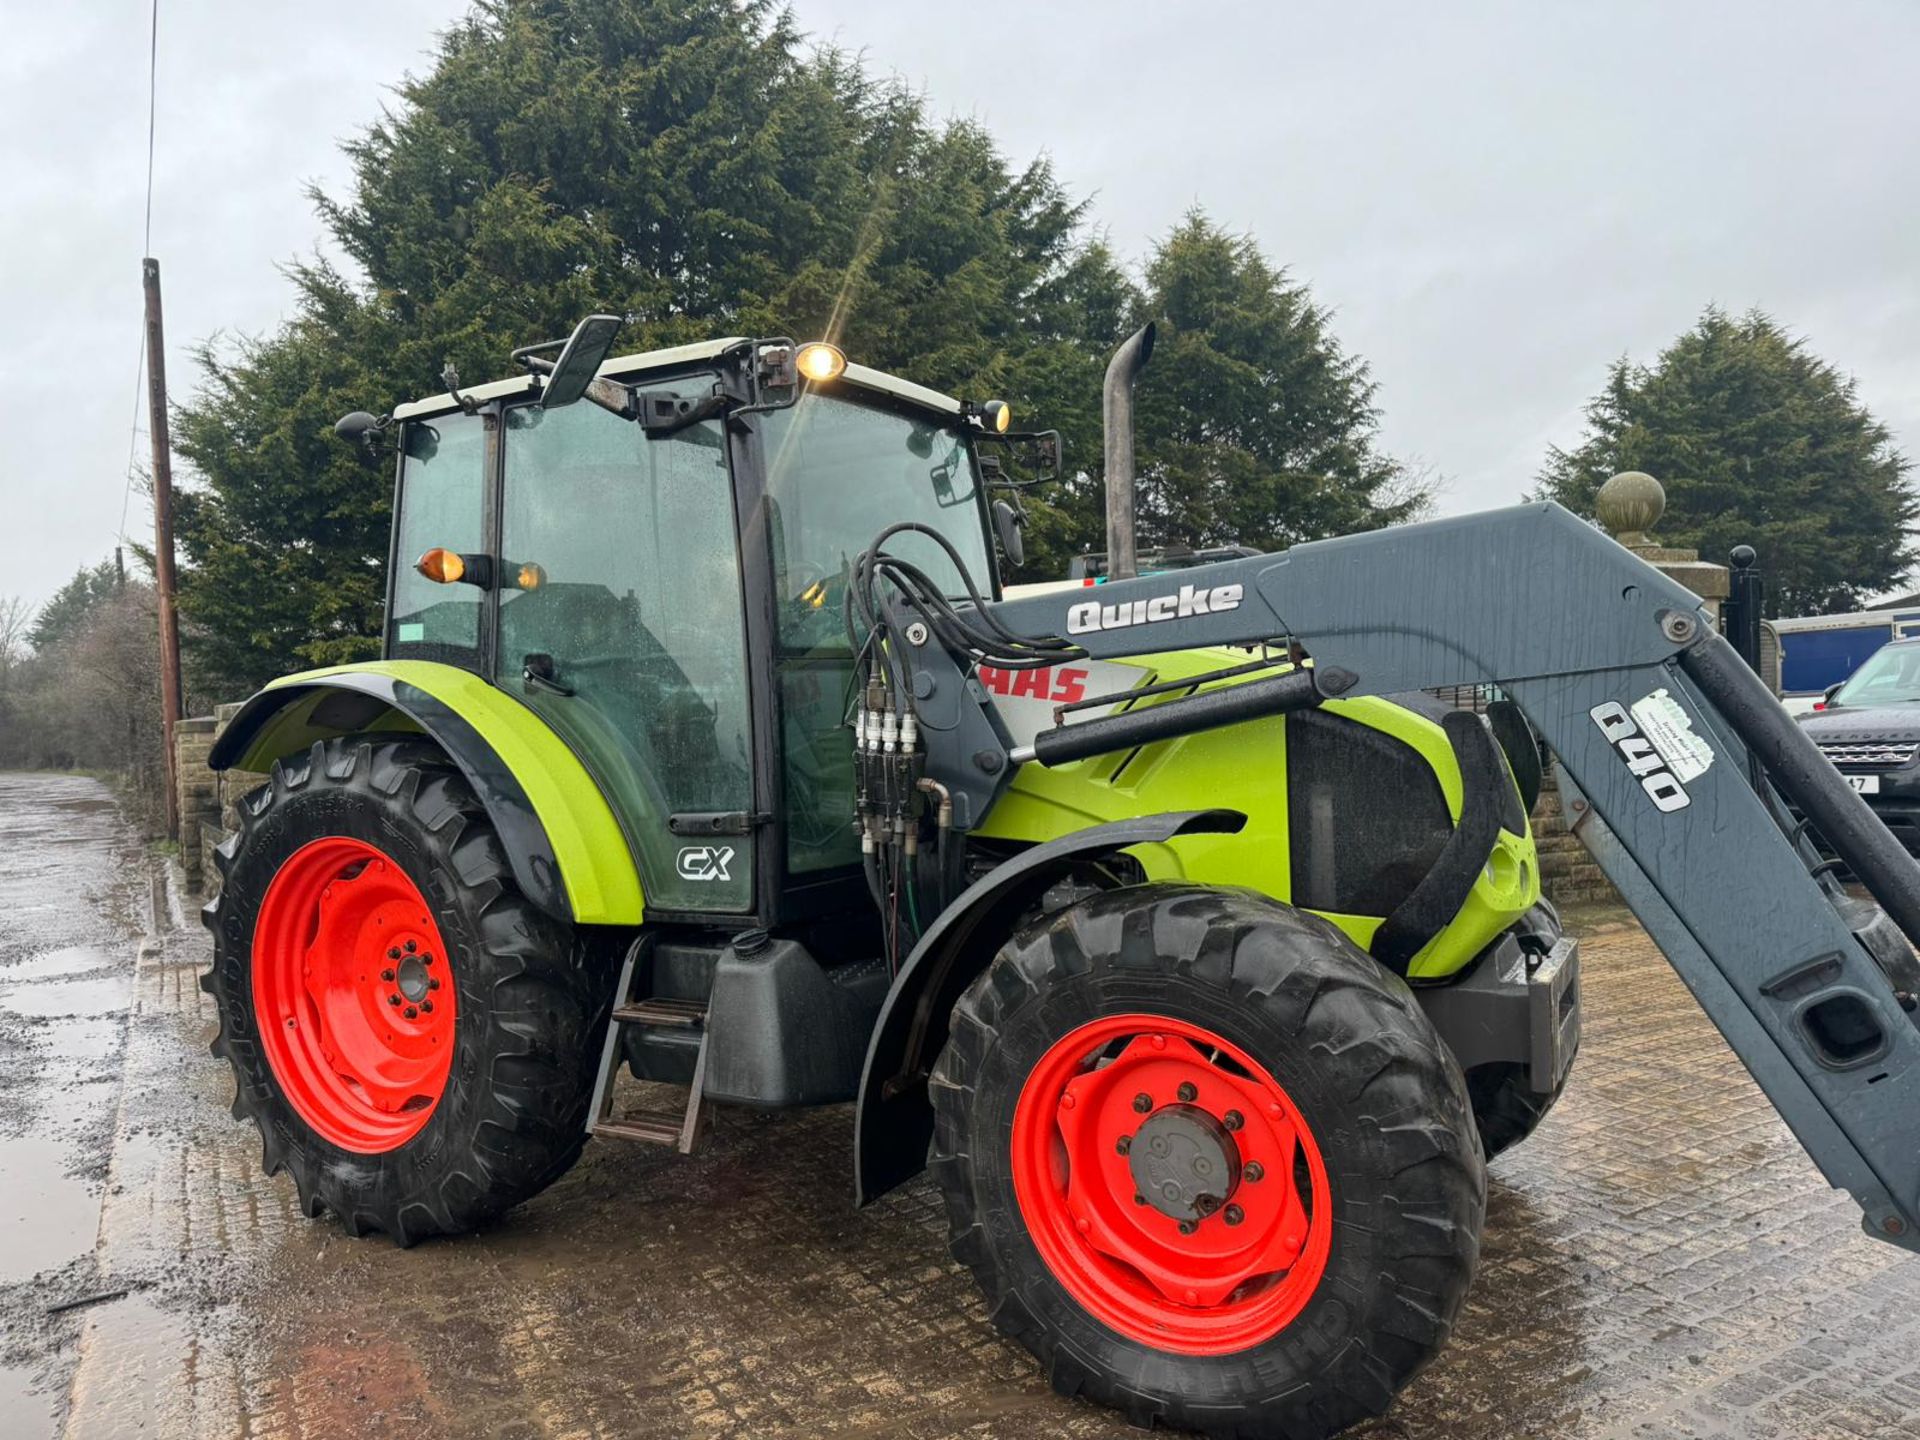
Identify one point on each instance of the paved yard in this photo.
(1660, 1260)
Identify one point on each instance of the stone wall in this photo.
(1568, 874)
(207, 800)
(199, 793)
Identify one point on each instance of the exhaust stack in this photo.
(1116, 414)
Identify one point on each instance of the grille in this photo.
(1877, 754)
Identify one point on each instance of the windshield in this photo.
(1889, 676)
(840, 473)
(837, 475)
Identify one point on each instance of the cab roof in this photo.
(628, 367)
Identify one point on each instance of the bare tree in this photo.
(16, 619)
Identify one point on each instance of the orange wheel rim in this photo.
(1171, 1185)
(353, 991)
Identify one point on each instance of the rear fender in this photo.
(893, 1117)
(568, 854)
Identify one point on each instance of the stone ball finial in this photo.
(1629, 506)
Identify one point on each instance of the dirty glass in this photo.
(837, 474)
(442, 506)
(635, 620)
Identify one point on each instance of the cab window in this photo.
(837, 474)
(442, 504)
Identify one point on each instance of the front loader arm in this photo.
(1676, 746)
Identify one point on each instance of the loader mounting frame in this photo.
(1679, 750)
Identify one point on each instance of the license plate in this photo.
(1865, 784)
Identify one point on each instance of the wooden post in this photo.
(163, 537)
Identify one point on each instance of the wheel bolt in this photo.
(1187, 1092)
(1233, 1215)
(1253, 1171)
(1232, 1120)
(412, 946)
(426, 1005)
(1143, 1102)
(393, 999)
(386, 975)
(411, 1013)
(1187, 1227)
(433, 984)
(1123, 1144)
(1138, 1198)
(393, 952)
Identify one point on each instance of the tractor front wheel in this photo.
(415, 1041)
(1209, 1162)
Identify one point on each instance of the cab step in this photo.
(663, 1012)
(660, 1012)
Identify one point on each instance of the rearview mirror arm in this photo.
(609, 395)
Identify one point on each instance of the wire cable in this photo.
(146, 249)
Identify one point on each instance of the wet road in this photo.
(68, 892)
(1660, 1260)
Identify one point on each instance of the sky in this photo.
(1496, 199)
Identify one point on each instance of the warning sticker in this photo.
(1668, 727)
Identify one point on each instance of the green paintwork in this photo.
(1243, 767)
(596, 867)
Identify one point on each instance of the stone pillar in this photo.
(199, 794)
(1628, 507)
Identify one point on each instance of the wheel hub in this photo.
(1170, 1184)
(412, 979)
(349, 973)
(1184, 1161)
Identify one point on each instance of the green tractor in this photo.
(1202, 990)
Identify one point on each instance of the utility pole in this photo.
(163, 536)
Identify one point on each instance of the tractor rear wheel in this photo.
(415, 1041)
(1208, 1161)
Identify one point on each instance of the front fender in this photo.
(568, 854)
(893, 1118)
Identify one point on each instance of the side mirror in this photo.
(1006, 526)
(360, 428)
(580, 360)
(1826, 698)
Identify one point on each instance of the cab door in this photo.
(620, 622)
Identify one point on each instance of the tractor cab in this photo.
(662, 579)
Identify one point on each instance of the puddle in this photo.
(62, 998)
(46, 1215)
(74, 960)
(23, 1415)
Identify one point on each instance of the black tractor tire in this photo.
(532, 995)
(1377, 1089)
(1506, 1107)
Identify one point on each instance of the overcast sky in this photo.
(1496, 199)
